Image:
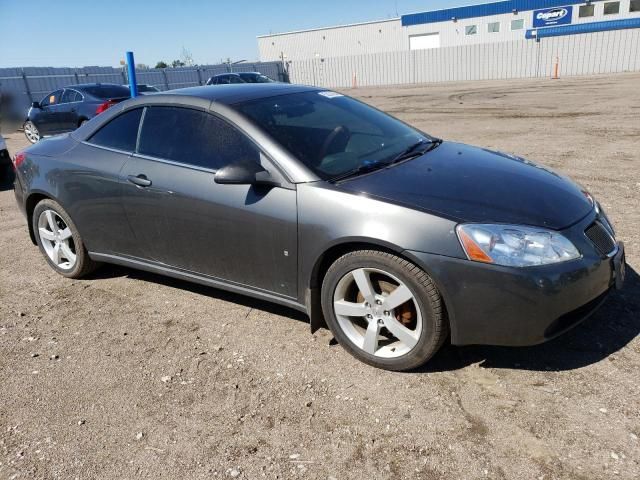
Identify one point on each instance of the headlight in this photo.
(514, 245)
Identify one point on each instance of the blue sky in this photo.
(79, 33)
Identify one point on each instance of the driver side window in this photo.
(193, 137)
(52, 99)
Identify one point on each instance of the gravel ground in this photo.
(132, 375)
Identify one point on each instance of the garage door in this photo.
(423, 42)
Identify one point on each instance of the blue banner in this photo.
(550, 17)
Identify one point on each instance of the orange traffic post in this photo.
(555, 69)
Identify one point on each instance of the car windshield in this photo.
(332, 134)
(107, 91)
(255, 78)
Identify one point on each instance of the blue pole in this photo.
(131, 70)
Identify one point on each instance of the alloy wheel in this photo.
(57, 240)
(31, 132)
(377, 312)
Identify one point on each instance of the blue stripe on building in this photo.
(483, 10)
(583, 28)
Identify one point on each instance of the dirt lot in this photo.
(131, 375)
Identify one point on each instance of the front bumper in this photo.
(495, 305)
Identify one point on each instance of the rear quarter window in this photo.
(121, 133)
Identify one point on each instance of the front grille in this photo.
(601, 238)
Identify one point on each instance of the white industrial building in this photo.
(478, 24)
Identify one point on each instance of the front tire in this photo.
(59, 240)
(31, 131)
(383, 310)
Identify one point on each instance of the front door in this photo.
(181, 218)
(46, 117)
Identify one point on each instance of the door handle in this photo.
(140, 180)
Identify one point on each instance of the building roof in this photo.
(395, 19)
(446, 14)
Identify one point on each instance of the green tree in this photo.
(161, 64)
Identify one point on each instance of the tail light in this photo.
(18, 159)
(102, 107)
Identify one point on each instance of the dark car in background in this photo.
(255, 77)
(317, 201)
(3, 148)
(240, 77)
(225, 79)
(67, 108)
(143, 88)
(6, 167)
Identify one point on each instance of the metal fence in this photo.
(26, 85)
(591, 53)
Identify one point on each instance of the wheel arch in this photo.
(32, 200)
(335, 251)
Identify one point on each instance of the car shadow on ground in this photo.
(609, 329)
(113, 271)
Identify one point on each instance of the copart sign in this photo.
(549, 17)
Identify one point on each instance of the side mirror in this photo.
(35, 105)
(244, 173)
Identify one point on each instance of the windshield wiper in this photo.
(409, 152)
(366, 168)
(412, 150)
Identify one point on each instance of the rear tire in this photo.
(383, 310)
(59, 240)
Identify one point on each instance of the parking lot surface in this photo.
(132, 375)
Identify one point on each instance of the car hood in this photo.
(470, 184)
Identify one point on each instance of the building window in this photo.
(586, 11)
(611, 8)
(493, 27)
(517, 24)
(470, 29)
(634, 6)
